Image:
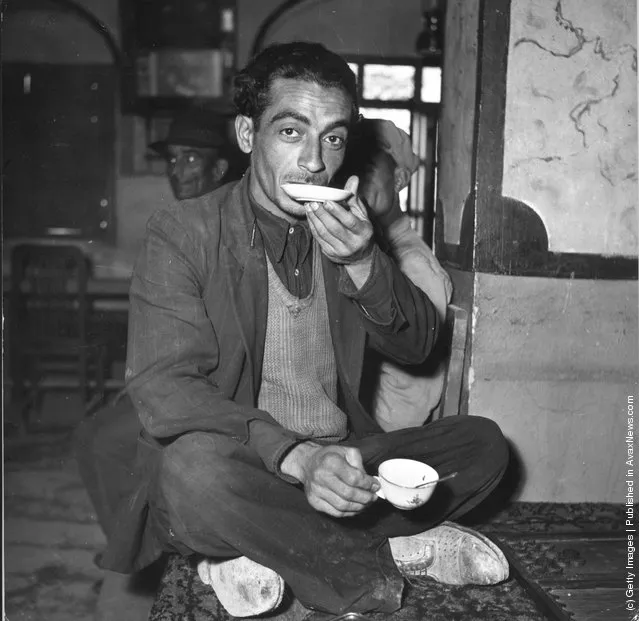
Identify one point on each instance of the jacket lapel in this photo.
(349, 337)
(247, 282)
(247, 277)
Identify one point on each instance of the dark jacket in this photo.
(197, 328)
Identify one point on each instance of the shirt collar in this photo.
(275, 231)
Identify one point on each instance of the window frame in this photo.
(421, 213)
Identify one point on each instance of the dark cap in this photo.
(193, 128)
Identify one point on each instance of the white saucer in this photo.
(305, 193)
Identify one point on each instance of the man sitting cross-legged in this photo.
(250, 317)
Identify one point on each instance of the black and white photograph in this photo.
(320, 310)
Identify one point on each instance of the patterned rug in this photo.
(552, 548)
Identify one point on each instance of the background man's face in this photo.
(378, 184)
(192, 171)
(301, 139)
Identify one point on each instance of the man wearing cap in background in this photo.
(200, 156)
(382, 156)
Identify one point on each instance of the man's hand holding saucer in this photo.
(344, 235)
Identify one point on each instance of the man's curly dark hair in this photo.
(299, 60)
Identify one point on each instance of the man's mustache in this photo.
(309, 179)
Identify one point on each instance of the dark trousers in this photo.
(213, 497)
(105, 447)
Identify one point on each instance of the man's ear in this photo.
(402, 177)
(245, 132)
(220, 169)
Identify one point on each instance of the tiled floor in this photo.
(51, 534)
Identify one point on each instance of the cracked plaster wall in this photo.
(553, 360)
(571, 121)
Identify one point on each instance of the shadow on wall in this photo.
(519, 245)
(508, 489)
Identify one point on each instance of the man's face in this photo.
(192, 171)
(378, 184)
(301, 139)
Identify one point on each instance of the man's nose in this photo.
(311, 157)
(177, 169)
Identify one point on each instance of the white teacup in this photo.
(399, 479)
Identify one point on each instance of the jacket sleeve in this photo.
(417, 261)
(400, 319)
(173, 353)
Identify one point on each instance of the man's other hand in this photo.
(334, 478)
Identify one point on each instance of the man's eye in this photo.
(172, 161)
(191, 158)
(335, 141)
(290, 132)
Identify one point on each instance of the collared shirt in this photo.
(288, 247)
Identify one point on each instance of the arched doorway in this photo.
(59, 130)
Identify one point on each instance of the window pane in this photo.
(432, 84)
(353, 67)
(403, 199)
(389, 82)
(401, 118)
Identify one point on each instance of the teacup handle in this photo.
(379, 492)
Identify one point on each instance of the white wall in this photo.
(380, 27)
(571, 121)
(553, 362)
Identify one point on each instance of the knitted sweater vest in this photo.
(299, 374)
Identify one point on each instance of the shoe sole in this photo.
(251, 591)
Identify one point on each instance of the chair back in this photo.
(48, 295)
(456, 333)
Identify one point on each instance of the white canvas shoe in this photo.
(450, 554)
(245, 588)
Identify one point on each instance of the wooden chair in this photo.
(455, 347)
(51, 345)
